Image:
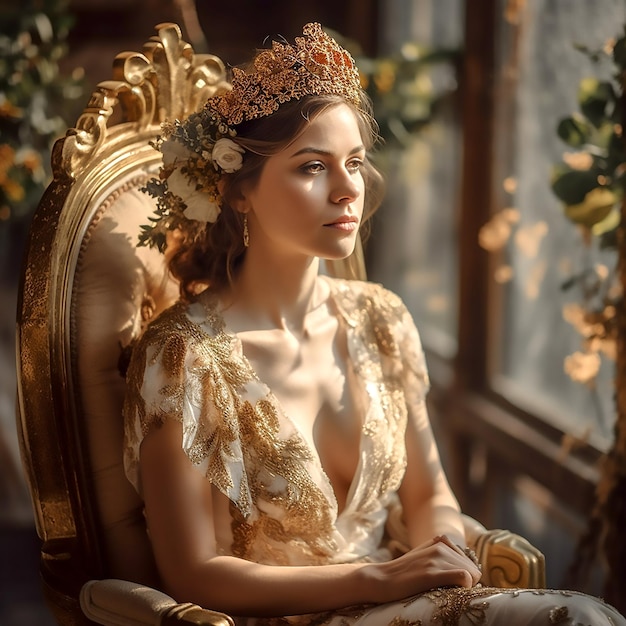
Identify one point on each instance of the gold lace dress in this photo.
(283, 510)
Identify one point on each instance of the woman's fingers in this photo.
(475, 570)
(451, 560)
(438, 562)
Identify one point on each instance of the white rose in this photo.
(199, 206)
(174, 151)
(227, 155)
(179, 184)
(201, 209)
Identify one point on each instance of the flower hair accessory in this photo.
(196, 153)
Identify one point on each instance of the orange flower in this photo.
(13, 190)
(7, 160)
(8, 109)
(30, 160)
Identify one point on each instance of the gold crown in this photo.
(316, 64)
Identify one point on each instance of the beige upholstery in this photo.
(86, 293)
(129, 604)
(114, 283)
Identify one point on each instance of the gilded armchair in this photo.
(86, 292)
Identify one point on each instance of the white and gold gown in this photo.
(283, 510)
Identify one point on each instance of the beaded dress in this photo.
(282, 508)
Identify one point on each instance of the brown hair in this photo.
(213, 257)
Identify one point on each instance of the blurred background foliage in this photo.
(590, 180)
(406, 87)
(590, 183)
(37, 103)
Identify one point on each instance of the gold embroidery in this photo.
(283, 502)
(187, 367)
(560, 615)
(456, 602)
(400, 621)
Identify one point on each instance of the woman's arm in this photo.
(179, 510)
(429, 506)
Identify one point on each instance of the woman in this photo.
(275, 415)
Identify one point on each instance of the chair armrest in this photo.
(508, 560)
(116, 602)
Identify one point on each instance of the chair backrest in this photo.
(86, 293)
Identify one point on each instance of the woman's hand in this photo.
(436, 563)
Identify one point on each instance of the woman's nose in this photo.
(346, 187)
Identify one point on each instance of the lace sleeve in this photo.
(157, 378)
(182, 372)
(400, 346)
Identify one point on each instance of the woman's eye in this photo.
(354, 165)
(312, 168)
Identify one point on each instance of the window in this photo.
(521, 439)
(538, 70)
(416, 233)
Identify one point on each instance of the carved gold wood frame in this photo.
(110, 140)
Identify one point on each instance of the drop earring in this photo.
(246, 232)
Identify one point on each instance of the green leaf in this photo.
(572, 186)
(593, 97)
(619, 53)
(595, 208)
(608, 224)
(616, 154)
(574, 131)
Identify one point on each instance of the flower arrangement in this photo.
(196, 153)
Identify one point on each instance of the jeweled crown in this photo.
(315, 64)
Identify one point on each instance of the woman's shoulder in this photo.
(170, 320)
(183, 324)
(197, 316)
(357, 296)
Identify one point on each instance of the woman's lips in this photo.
(347, 223)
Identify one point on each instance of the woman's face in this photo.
(308, 200)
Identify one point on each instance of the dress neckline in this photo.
(215, 318)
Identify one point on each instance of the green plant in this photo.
(590, 180)
(35, 99)
(405, 87)
(590, 183)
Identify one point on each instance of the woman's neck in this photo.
(277, 293)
